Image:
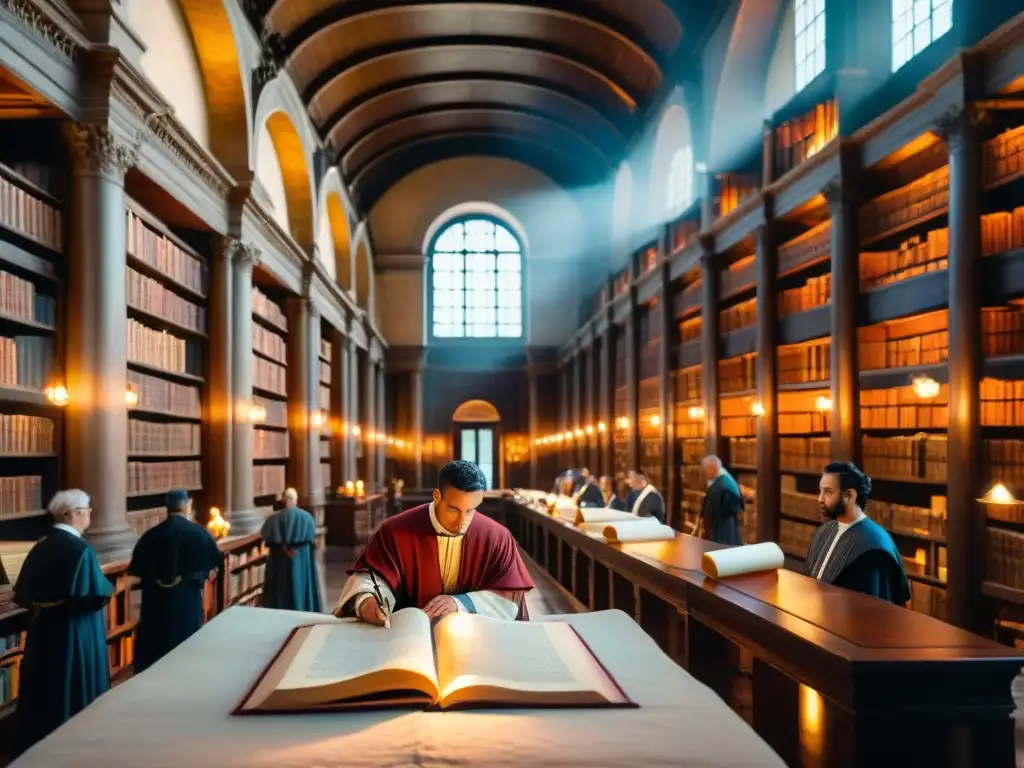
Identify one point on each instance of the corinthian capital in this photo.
(98, 149)
(243, 255)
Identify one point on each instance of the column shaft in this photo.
(244, 517)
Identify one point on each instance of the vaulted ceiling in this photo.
(560, 85)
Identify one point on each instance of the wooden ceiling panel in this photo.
(446, 94)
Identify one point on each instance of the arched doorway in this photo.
(476, 437)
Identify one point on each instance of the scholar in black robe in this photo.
(721, 510)
(865, 560)
(66, 664)
(616, 503)
(291, 582)
(173, 560)
(652, 505)
(591, 496)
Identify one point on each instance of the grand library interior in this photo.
(690, 331)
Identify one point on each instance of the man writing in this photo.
(851, 550)
(441, 557)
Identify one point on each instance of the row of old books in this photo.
(20, 495)
(928, 599)
(804, 454)
(915, 256)
(158, 394)
(160, 477)
(816, 292)
(10, 678)
(26, 213)
(803, 137)
(19, 299)
(921, 457)
(687, 384)
(26, 361)
(163, 350)
(141, 520)
(21, 434)
(804, 422)
(1002, 330)
(804, 363)
(812, 245)
(1003, 156)
(326, 350)
(740, 274)
(149, 295)
(688, 430)
(148, 437)
(738, 316)
(269, 376)
(1002, 403)
(802, 506)
(269, 445)
(164, 255)
(1005, 460)
(923, 197)
(268, 479)
(743, 450)
(925, 522)
(737, 426)
(325, 372)
(731, 189)
(276, 410)
(1002, 231)
(690, 330)
(928, 348)
(1005, 561)
(324, 397)
(268, 310)
(737, 374)
(901, 408)
(795, 537)
(271, 344)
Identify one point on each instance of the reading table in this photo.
(177, 714)
(839, 679)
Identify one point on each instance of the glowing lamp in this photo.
(622, 422)
(400, 443)
(757, 409)
(655, 421)
(350, 489)
(823, 403)
(257, 414)
(579, 433)
(217, 525)
(356, 431)
(318, 419)
(601, 426)
(925, 387)
(360, 488)
(695, 412)
(589, 430)
(1000, 495)
(131, 397)
(568, 435)
(57, 395)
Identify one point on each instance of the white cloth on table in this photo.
(177, 714)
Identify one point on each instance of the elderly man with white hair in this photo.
(723, 503)
(65, 666)
(291, 581)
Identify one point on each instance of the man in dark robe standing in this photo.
(173, 560)
(851, 550)
(722, 505)
(442, 557)
(644, 499)
(292, 582)
(66, 664)
(589, 495)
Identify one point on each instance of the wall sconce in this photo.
(1000, 504)
(568, 435)
(823, 403)
(622, 422)
(589, 430)
(257, 414)
(391, 441)
(579, 432)
(655, 421)
(757, 409)
(695, 412)
(356, 431)
(925, 387)
(559, 438)
(601, 426)
(57, 395)
(317, 419)
(131, 397)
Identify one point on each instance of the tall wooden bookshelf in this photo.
(270, 394)
(329, 419)
(166, 287)
(649, 427)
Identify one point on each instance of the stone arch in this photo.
(468, 209)
(363, 273)
(672, 142)
(476, 411)
(218, 117)
(334, 239)
(280, 115)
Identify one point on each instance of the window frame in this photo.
(516, 341)
(808, 30)
(678, 206)
(908, 35)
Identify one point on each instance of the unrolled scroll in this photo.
(737, 561)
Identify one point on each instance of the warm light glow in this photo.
(400, 443)
(131, 397)
(57, 395)
(217, 526)
(695, 412)
(925, 387)
(823, 403)
(391, 441)
(999, 494)
(350, 489)
(551, 499)
(360, 488)
(757, 409)
(589, 430)
(356, 431)
(812, 721)
(459, 626)
(655, 421)
(559, 438)
(257, 414)
(568, 435)
(601, 426)
(579, 433)
(318, 419)
(622, 422)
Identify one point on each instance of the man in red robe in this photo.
(441, 557)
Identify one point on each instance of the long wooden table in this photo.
(838, 679)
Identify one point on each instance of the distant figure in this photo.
(851, 550)
(173, 560)
(644, 501)
(589, 494)
(291, 582)
(723, 503)
(610, 494)
(66, 664)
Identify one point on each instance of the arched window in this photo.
(916, 24)
(680, 179)
(476, 266)
(810, 41)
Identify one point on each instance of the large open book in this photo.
(463, 660)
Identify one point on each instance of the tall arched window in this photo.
(916, 24)
(477, 280)
(680, 180)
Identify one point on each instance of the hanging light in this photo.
(57, 395)
(999, 495)
(925, 387)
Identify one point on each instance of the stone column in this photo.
(416, 384)
(381, 402)
(768, 478)
(534, 416)
(352, 382)
(630, 335)
(607, 398)
(668, 332)
(97, 338)
(218, 414)
(339, 409)
(966, 522)
(709, 338)
(303, 399)
(244, 516)
(370, 428)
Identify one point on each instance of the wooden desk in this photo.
(351, 521)
(839, 679)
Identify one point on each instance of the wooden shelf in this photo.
(906, 480)
(26, 264)
(24, 515)
(265, 356)
(164, 456)
(161, 492)
(1003, 592)
(164, 415)
(269, 394)
(270, 324)
(31, 326)
(29, 186)
(16, 456)
(162, 323)
(24, 396)
(164, 279)
(907, 226)
(185, 378)
(806, 386)
(930, 580)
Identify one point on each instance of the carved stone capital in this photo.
(956, 126)
(44, 27)
(242, 255)
(98, 149)
(838, 192)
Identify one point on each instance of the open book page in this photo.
(324, 664)
(513, 662)
(603, 515)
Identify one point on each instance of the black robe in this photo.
(865, 560)
(292, 582)
(66, 664)
(591, 496)
(653, 505)
(616, 503)
(721, 510)
(173, 560)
